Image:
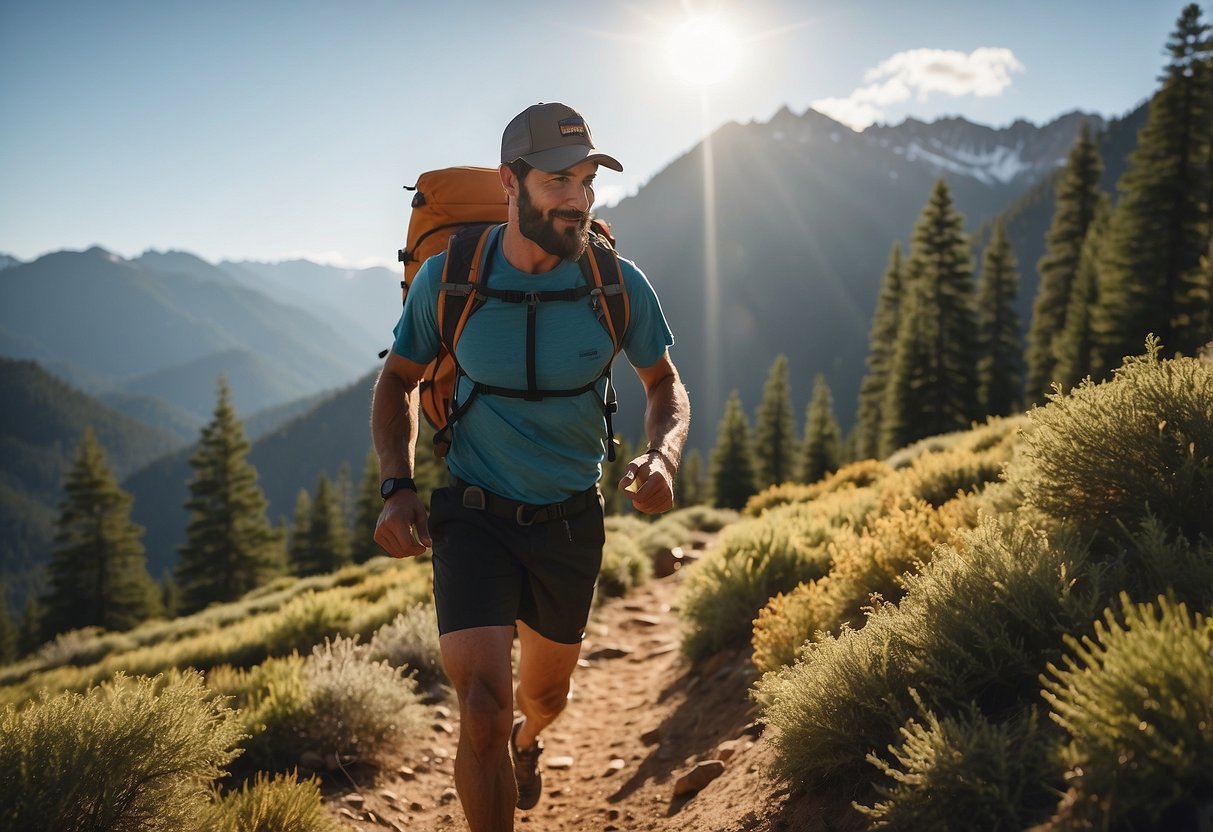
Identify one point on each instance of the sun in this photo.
(704, 49)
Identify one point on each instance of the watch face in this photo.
(386, 489)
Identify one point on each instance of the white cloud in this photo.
(920, 72)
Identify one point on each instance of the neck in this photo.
(523, 254)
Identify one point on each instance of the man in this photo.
(517, 537)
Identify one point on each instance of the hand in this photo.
(650, 484)
(402, 513)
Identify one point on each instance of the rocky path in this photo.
(647, 743)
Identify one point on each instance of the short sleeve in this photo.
(648, 336)
(417, 330)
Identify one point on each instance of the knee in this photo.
(485, 718)
(546, 701)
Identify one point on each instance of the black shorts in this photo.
(491, 571)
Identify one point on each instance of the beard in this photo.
(540, 228)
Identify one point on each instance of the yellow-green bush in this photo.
(856, 475)
(750, 562)
(281, 804)
(956, 774)
(867, 562)
(245, 632)
(1136, 700)
(1106, 453)
(624, 565)
(976, 624)
(410, 641)
(132, 754)
(337, 700)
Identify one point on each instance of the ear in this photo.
(509, 182)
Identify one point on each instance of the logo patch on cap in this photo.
(574, 126)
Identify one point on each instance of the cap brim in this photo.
(563, 158)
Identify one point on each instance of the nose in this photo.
(581, 198)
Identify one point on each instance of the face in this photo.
(554, 209)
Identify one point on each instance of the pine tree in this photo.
(367, 507)
(689, 487)
(1149, 268)
(343, 489)
(8, 630)
(775, 447)
(327, 546)
(1078, 194)
(882, 339)
(29, 634)
(299, 536)
(731, 466)
(1000, 362)
(230, 545)
(932, 384)
(822, 436)
(1073, 348)
(97, 574)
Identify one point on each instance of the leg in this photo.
(477, 661)
(544, 670)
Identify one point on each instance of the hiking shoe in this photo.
(526, 769)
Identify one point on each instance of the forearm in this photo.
(667, 419)
(394, 425)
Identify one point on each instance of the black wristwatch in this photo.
(393, 484)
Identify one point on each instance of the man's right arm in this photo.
(394, 413)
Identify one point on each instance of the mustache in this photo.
(569, 214)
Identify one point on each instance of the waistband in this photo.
(524, 514)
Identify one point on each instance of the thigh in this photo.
(477, 579)
(544, 665)
(562, 563)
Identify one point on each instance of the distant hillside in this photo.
(806, 211)
(41, 424)
(255, 383)
(333, 432)
(363, 304)
(94, 315)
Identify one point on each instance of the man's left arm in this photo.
(667, 417)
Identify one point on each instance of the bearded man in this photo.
(517, 535)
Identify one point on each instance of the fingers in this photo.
(394, 531)
(646, 483)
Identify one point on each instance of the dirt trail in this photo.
(639, 718)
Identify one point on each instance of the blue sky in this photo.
(270, 129)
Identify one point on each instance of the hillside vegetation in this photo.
(948, 648)
(203, 722)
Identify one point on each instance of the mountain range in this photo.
(804, 213)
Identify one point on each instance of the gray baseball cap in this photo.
(551, 137)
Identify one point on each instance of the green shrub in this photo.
(1154, 560)
(867, 562)
(132, 754)
(306, 621)
(978, 623)
(624, 565)
(751, 562)
(281, 804)
(938, 478)
(1137, 701)
(410, 641)
(356, 706)
(963, 773)
(701, 518)
(1110, 452)
(273, 701)
(844, 698)
(983, 618)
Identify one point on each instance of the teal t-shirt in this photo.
(542, 451)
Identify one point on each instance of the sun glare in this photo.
(703, 50)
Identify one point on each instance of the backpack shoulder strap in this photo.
(600, 267)
(457, 298)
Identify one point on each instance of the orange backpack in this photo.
(456, 209)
